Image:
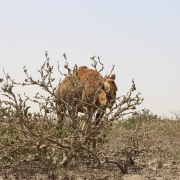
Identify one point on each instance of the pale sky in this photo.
(140, 37)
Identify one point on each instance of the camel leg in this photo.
(99, 115)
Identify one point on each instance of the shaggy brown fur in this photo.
(89, 86)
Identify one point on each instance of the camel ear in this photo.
(113, 76)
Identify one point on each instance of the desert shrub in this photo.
(139, 117)
(176, 115)
(42, 139)
(143, 115)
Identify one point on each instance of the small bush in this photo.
(41, 139)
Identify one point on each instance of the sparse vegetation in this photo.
(41, 142)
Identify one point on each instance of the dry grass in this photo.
(158, 138)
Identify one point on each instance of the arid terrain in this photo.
(145, 170)
(159, 158)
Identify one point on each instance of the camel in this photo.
(89, 87)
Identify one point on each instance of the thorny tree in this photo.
(43, 137)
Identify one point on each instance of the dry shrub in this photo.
(41, 140)
(158, 137)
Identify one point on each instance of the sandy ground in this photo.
(144, 169)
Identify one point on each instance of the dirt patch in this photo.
(144, 169)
